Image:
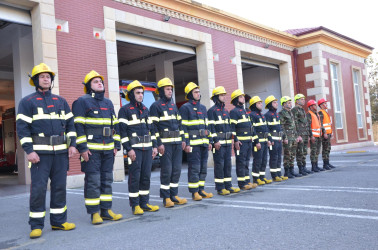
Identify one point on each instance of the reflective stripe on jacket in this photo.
(315, 124)
(93, 114)
(43, 114)
(326, 121)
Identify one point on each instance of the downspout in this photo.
(295, 55)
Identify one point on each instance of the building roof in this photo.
(305, 31)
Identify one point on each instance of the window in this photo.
(336, 95)
(357, 95)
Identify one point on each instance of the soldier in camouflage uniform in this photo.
(304, 130)
(316, 133)
(326, 123)
(290, 137)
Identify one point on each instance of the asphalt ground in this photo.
(335, 209)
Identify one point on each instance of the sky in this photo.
(357, 19)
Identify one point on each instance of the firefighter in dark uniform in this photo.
(243, 133)
(326, 123)
(260, 156)
(45, 126)
(198, 141)
(137, 137)
(170, 141)
(219, 121)
(98, 142)
(275, 130)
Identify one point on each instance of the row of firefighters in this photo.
(50, 133)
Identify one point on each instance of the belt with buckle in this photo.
(199, 132)
(224, 136)
(105, 131)
(49, 140)
(169, 134)
(140, 139)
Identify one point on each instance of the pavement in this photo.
(335, 209)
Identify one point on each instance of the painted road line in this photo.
(335, 187)
(300, 206)
(268, 204)
(321, 190)
(31, 242)
(112, 223)
(298, 211)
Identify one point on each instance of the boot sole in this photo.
(97, 223)
(105, 218)
(63, 229)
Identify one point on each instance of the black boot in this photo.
(313, 167)
(301, 170)
(320, 169)
(330, 165)
(293, 173)
(325, 165)
(306, 170)
(288, 173)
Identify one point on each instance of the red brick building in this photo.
(148, 40)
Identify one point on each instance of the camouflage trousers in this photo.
(289, 153)
(315, 149)
(302, 151)
(326, 148)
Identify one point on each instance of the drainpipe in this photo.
(295, 55)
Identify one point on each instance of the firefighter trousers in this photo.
(170, 170)
(242, 163)
(197, 168)
(260, 158)
(139, 178)
(54, 167)
(275, 156)
(222, 167)
(98, 180)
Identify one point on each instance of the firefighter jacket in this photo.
(195, 123)
(220, 123)
(45, 124)
(315, 125)
(288, 124)
(301, 121)
(241, 125)
(260, 125)
(166, 121)
(274, 125)
(96, 124)
(136, 127)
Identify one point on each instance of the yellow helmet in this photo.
(38, 69)
(254, 100)
(269, 99)
(189, 87)
(89, 77)
(131, 86)
(285, 99)
(298, 96)
(235, 94)
(164, 82)
(218, 91)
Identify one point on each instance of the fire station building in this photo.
(147, 40)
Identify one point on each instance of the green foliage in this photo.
(372, 69)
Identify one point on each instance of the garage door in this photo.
(14, 15)
(155, 43)
(262, 80)
(259, 64)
